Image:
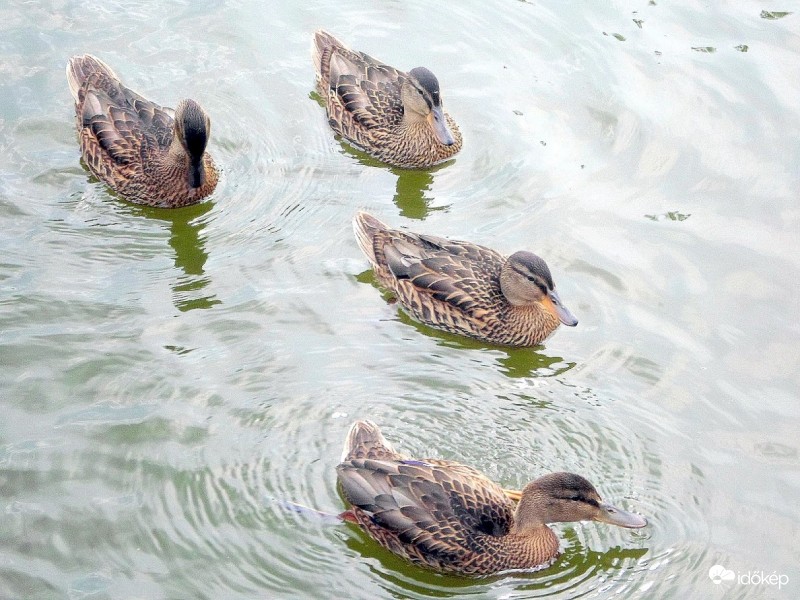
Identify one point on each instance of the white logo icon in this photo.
(718, 574)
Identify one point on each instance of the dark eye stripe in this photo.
(581, 498)
(424, 94)
(520, 271)
(532, 278)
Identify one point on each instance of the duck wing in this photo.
(434, 512)
(460, 274)
(113, 119)
(109, 130)
(131, 114)
(366, 90)
(157, 120)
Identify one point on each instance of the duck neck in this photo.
(532, 321)
(416, 128)
(533, 546)
(180, 164)
(197, 174)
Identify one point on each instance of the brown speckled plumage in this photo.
(395, 116)
(462, 287)
(147, 153)
(450, 517)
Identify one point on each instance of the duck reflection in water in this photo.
(186, 227)
(412, 191)
(412, 195)
(190, 257)
(515, 363)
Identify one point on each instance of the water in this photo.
(171, 379)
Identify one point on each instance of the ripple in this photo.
(560, 441)
(173, 380)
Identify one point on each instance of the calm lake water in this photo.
(170, 379)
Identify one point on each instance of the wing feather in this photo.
(364, 90)
(450, 272)
(432, 511)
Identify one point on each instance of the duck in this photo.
(451, 518)
(392, 115)
(464, 288)
(146, 153)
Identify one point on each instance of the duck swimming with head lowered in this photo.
(465, 288)
(395, 116)
(449, 517)
(147, 153)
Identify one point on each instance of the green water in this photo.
(169, 378)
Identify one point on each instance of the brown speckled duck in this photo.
(147, 153)
(450, 517)
(396, 117)
(464, 288)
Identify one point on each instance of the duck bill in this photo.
(439, 125)
(621, 518)
(562, 312)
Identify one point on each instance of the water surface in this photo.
(171, 378)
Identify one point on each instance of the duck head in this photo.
(567, 497)
(422, 100)
(192, 130)
(525, 279)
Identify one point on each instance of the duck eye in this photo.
(584, 499)
(537, 283)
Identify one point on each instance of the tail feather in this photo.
(324, 45)
(365, 440)
(79, 68)
(365, 226)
